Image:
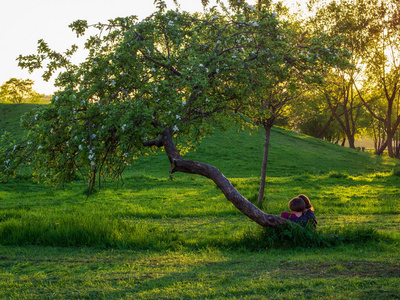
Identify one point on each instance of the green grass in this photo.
(153, 238)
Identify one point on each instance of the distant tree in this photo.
(165, 81)
(312, 116)
(372, 31)
(16, 90)
(344, 19)
(296, 58)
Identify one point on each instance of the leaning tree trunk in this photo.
(178, 164)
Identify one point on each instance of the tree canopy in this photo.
(17, 90)
(164, 81)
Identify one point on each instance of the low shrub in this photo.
(292, 236)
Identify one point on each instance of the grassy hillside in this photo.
(153, 238)
(10, 115)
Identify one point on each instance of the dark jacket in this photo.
(303, 220)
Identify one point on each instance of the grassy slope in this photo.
(179, 239)
(10, 115)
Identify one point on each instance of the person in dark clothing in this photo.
(305, 218)
(306, 213)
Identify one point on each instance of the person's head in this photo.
(306, 201)
(297, 205)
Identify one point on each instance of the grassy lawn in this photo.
(153, 238)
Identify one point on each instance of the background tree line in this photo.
(362, 99)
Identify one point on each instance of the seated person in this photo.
(301, 211)
(308, 213)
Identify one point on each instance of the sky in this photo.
(24, 22)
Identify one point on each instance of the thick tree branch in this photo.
(193, 167)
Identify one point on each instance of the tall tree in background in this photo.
(312, 116)
(382, 80)
(16, 90)
(371, 30)
(341, 18)
(295, 59)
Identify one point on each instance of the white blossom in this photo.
(183, 102)
(92, 163)
(178, 117)
(93, 136)
(218, 42)
(39, 147)
(255, 24)
(56, 98)
(152, 70)
(67, 143)
(123, 127)
(250, 7)
(215, 17)
(15, 147)
(175, 128)
(170, 23)
(80, 147)
(274, 14)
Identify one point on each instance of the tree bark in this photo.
(267, 128)
(178, 164)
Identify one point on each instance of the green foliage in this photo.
(185, 73)
(17, 91)
(84, 230)
(292, 236)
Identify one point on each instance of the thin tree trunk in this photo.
(267, 128)
(319, 134)
(179, 164)
(350, 140)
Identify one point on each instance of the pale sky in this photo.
(24, 22)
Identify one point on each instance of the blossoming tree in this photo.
(172, 76)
